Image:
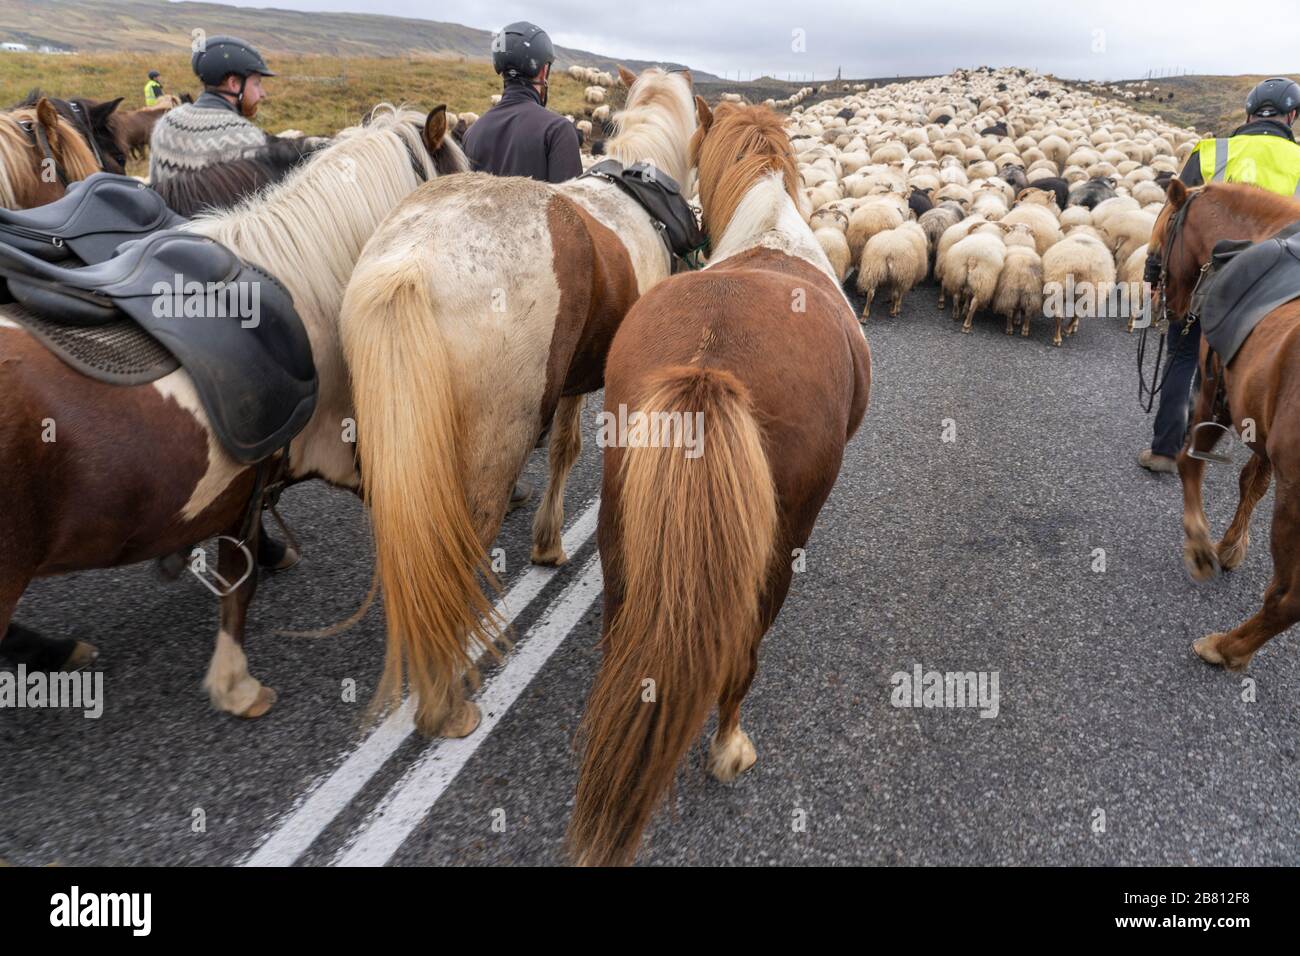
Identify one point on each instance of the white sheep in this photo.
(1078, 275)
(970, 273)
(894, 260)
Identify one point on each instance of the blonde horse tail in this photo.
(431, 561)
(695, 538)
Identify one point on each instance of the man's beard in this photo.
(246, 109)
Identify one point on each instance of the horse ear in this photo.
(1176, 192)
(702, 113)
(102, 111)
(435, 128)
(626, 76)
(46, 114)
(690, 80)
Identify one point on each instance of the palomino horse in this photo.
(480, 306)
(40, 153)
(1263, 387)
(102, 495)
(762, 350)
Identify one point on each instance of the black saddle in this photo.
(1246, 282)
(232, 326)
(90, 221)
(661, 198)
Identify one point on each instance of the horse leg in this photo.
(1281, 601)
(731, 752)
(1253, 483)
(566, 445)
(22, 645)
(1199, 553)
(229, 685)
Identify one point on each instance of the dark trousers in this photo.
(1178, 395)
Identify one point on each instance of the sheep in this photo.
(1019, 293)
(1125, 231)
(1075, 216)
(990, 204)
(871, 217)
(593, 95)
(1132, 275)
(970, 273)
(1079, 263)
(896, 260)
(600, 114)
(1117, 204)
(1040, 221)
(951, 236)
(936, 222)
(836, 248)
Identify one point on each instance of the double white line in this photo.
(408, 802)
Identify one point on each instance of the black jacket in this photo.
(1191, 174)
(521, 137)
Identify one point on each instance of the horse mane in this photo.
(16, 151)
(743, 145)
(191, 192)
(308, 229)
(656, 124)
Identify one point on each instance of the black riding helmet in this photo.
(1275, 97)
(224, 55)
(154, 74)
(521, 49)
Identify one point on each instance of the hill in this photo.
(160, 26)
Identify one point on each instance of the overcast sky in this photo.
(1097, 39)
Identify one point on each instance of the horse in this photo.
(1262, 385)
(101, 495)
(40, 154)
(763, 352)
(136, 126)
(97, 122)
(479, 311)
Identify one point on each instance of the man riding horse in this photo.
(1262, 152)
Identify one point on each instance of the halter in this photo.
(87, 131)
(36, 136)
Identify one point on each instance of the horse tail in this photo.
(410, 447)
(696, 537)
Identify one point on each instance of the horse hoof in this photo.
(1231, 556)
(728, 761)
(264, 701)
(549, 557)
(1200, 561)
(83, 655)
(462, 722)
(1206, 651)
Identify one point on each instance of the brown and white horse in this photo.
(762, 350)
(1263, 397)
(40, 153)
(135, 472)
(483, 305)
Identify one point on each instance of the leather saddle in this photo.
(660, 196)
(1246, 282)
(89, 222)
(232, 326)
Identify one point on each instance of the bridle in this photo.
(36, 136)
(87, 131)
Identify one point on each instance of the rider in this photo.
(216, 127)
(520, 136)
(152, 88)
(1262, 152)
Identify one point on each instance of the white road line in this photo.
(411, 799)
(296, 832)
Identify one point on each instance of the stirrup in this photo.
(1213, 456)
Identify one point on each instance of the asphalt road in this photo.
(972, 555)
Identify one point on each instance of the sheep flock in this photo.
(1019, 195)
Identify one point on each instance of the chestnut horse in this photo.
(764, 352)
(483, 305)
(1263, 387)
(40, 153)
(135, 472)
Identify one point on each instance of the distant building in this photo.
(13, 47)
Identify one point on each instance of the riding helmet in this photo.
(224, 55)
(521, 50)
(154, 74)
(1275, 97)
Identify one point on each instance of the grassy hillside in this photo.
(1212, 104)
(315, 94)
(162, 26)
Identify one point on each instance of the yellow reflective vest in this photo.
(152, 89)
(1270, 162)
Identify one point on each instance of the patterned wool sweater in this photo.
(199, 134)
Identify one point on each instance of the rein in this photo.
(1157, 274)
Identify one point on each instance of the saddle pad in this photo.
(119, 353)
(1246, 283)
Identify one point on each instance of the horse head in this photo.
(40, 154)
